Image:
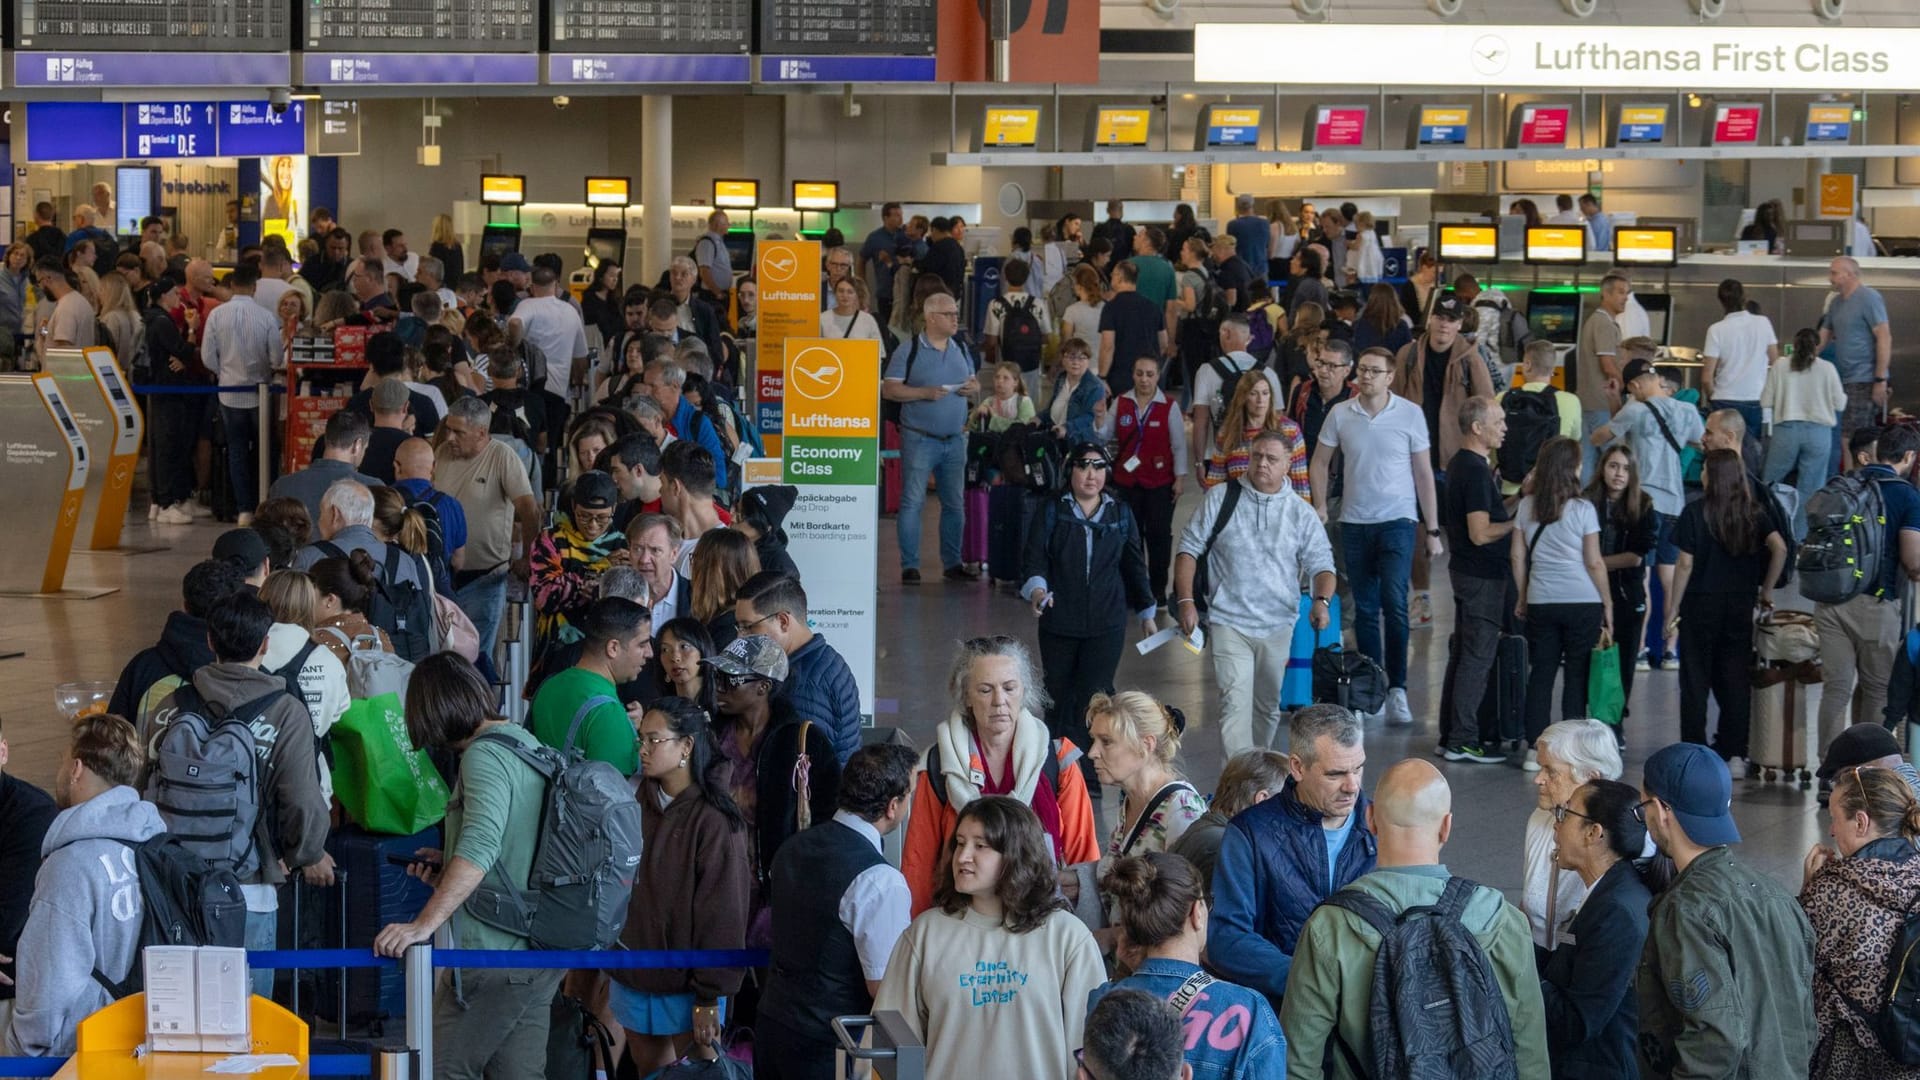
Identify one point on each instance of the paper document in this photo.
(1194, 644)
(247, 1064)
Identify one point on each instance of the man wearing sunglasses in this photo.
(1725, 984)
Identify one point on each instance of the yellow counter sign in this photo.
(607, 191)
(736, 194)
(503, 190)
(1546, 244)
(1469, 242)
(1643, 247)
(1009, 126)
(1443, 117)
(1122, 127)
(816, 195)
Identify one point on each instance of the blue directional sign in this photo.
(253, 129)
(170, 129)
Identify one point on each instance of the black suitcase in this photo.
(1503, 709)
(1009, 513)
(374, 894)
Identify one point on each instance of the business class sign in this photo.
(1595, 57)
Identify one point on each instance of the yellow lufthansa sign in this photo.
(1010, 126)
(789, 273)
(832, 412)
(736, 194)
(1837, 194)
(1122, 127)
(503, 190)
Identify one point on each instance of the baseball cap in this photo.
(515, 261)
(1694, 781)
(1449, 308)
(594, 490)
(1635, 368)
(242, 547)
(755, 655)
(1858, 745)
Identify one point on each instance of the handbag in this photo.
(724, 1067)
(1606, 697)
(1350, 680)
(453, 631)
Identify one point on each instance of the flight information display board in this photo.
(652, 26)
(457, 26)
(173, 25)
(848, 27)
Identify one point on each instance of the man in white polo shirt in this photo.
(1741, 349)
(1389, 501)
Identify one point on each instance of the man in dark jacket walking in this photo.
(172, 360)
(1281, 857)
(820, 686)
(158, 671)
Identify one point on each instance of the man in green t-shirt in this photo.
(618, 644)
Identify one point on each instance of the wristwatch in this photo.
(1323, 600)
(1433, 532)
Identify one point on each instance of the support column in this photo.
(656, 186)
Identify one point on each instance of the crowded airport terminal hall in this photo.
(829, 539)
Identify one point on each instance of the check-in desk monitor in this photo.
(1640, 124)
(1646, 245)
(1556, 245)
(1229, 127)
(1439, 126)
(1467, 243)
(1554, 316)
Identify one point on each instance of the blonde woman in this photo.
(445, 246)
(291, 649)
(121, 317)
(1283, 231)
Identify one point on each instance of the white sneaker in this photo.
(244, 521)
(1420, 613)
(153, 511)
(174, 515)
(1397, 712)
(1532, 764)
(1737, 768)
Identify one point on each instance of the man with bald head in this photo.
(413, 477)
(1331, 987)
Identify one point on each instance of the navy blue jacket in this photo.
(1593, 1017)
(820, 687)
(1270, 875)
(1095, 585)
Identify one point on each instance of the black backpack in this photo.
(185, 900)
(1229, 385)
(1896, 1022)
(1021, 341)
(1846, 537)
(404, 609)
(1436, 1010)
(1031, 456)
(1202, 576)
(1533, 417)
(436, 555)
(890, 410)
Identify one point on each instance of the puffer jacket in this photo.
(820, 686)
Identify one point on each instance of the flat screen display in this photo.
(1736, 125)
(498, 190)
(1641, 125)
(1469, 243)
(1010, 126)
(822, 195)
(1544, 125)
(609, 191)
(1554, 317)
(1233, 125)
(1339, 126)
(1122, 126)
(1444, 125)
(1556, 244)
(1829, 123)
(736, 194)
(1646, 246)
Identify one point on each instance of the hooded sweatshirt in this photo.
(322, 679)
(157, 672)
(772, 504)
(1271, 548)
(86, 913)
(293, 821)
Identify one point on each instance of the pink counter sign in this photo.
(1736, 124)
(1544, 126)
(1340, 127)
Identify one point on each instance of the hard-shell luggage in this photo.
(1787, 651)
(1296, 687)
(374, 894)
(1503, 709)
(890, 470)
(973, 539)
(1009, 512)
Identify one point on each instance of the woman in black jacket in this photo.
(1627, 531)
(1084, 572)
(1587, 983)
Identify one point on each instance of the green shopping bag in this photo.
(1606, 698)
(383, 783)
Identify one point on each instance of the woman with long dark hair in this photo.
(679, 649)
(1806, 399)
(1628, 529)
(1382, 323)
(994, 977)
(690, 891)
(1730, 556)
(1562, 585)
(603, 304)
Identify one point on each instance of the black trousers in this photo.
(1560, 637)
(781, 1053)
(1481, 607)
(1076, 668)
(1716, 653)
(176, 429)
(1629, 621)
(1153, 510)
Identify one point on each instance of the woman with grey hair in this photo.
(994, 743)
(1572, 752)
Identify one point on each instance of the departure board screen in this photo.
(458, 26)
(652, 26)
(848, 27)
(171, 25)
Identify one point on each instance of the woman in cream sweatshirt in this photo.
(1804, 395)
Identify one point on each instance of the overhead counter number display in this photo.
(849, 27)
(1469, 243)
(1009, 127)
(499, 190)
(1645, 246)
(1232, 125)
(1120, 127)
(609, 191)
(652, 26)
(1553, 244)
(821, 195)
(1442, 125)
(1829, 123)
(736, 194)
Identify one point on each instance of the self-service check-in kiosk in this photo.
(44, 474)
(96, 392)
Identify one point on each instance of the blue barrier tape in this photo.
(272, 388)
(317, 959)
(321, 1065)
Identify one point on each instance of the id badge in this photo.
(1131, 463)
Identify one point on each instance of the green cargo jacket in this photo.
(1726, 977)
(1331, 984)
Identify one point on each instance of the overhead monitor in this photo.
(614, 191)
(1641, 245)
(1468, 244)
(1227, 126)
(1119, 127)
(818, 195)
(1542, 125)
(1439, 125)
(1009, 127)
(1335, 127)
(1640, 124)
(1829, 123)
(1735, 124)
(736, 194)
(1556, 244)
(501, 190)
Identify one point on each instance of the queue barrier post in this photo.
(264, 413)
(419, 998)
(894, 1044)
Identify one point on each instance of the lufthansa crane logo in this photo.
(817, 374)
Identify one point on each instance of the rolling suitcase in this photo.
(890, 470)
(973, 539)
(1503, 709)
(375, 894)
(1787, 661)
(1296, 687)
(1009, 512)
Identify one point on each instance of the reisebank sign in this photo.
(1592, 57)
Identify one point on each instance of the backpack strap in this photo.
(1455, 897)
(1664, 429)
(936, 781)
(1146, 816)
(332, 550)
(527, 756)
(1227, 505)
(802, 780)
(1371, 911)
(580, 717)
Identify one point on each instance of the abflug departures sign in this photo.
(1599, 58)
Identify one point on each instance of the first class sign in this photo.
(1598, 57)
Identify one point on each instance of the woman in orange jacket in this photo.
(994, 744)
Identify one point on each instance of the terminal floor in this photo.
(91, 639)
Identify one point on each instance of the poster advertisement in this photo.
(283, 198)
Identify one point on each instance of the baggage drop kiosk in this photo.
(95, 391)
(43, 473)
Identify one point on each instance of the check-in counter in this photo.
(43, 478)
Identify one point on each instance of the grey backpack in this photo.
(586, 858)
(1846, 532)
(205, 780)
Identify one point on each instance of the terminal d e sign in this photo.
(832, 412)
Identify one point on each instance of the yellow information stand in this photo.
(107, 1040)
(98, 393)
(44, 463)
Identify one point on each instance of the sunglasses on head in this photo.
(1093, 464)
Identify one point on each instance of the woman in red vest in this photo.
(1150, 444)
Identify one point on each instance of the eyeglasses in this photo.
(1561, 811)
(605, 518)
(1091, 464)
(648, 741)
(744, 627)
(723, 680)
(1639, 809)
(1373, 371)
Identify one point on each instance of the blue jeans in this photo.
(1591, 420)
(262, 936)
(484, 599)
(1380, 566)
(1800, 447)
(243, 454)
(1748, 410)
(945, 460)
